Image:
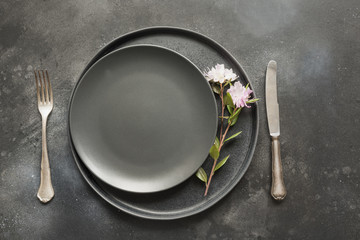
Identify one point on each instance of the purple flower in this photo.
(240, 95)
(220, 74)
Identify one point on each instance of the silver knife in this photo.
(278, 190)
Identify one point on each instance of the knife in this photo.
(278, 190)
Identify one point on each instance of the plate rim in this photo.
(117, 51)
(226, 54)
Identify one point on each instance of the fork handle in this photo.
(278, 190)
(46, 191)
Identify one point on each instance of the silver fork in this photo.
(45, 106)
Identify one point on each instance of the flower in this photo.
(230, 75)
(220, 74)
(239, 94)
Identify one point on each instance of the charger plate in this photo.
(187, 198)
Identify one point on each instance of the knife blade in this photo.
(278, 190)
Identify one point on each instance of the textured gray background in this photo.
(317, 47)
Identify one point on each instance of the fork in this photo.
(45, 106)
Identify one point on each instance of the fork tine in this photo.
(50, 89)
(42, 88)
(46, 88)
(37, 86)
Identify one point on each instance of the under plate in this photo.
(186, 198)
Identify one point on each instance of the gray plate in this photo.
(186, 198)
(143, 118)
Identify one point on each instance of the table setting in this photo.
(159, 130)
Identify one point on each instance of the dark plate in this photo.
(143, 118)
(186, 198)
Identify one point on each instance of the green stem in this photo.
(222, 109)
(215, 160)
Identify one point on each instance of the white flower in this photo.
(220, 74)
(230, 75)
(240, 95)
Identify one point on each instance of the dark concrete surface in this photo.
(317, 47)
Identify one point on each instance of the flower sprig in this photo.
(236, 98)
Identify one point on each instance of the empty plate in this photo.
(143, 118)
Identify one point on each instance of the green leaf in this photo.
(230, 109)
(225, 117)
(215, 88)
(234, 115)
(214, 152)
(247, 85)
(233, 136)
(217, 142)
(201, 174)
(227, 83)
(221, 163)
(228, 100)
(237, 112)
(234, 120)
(253, 100)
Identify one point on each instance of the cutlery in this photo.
(278, 190)
(45, 106)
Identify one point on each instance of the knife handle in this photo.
(278, 190)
